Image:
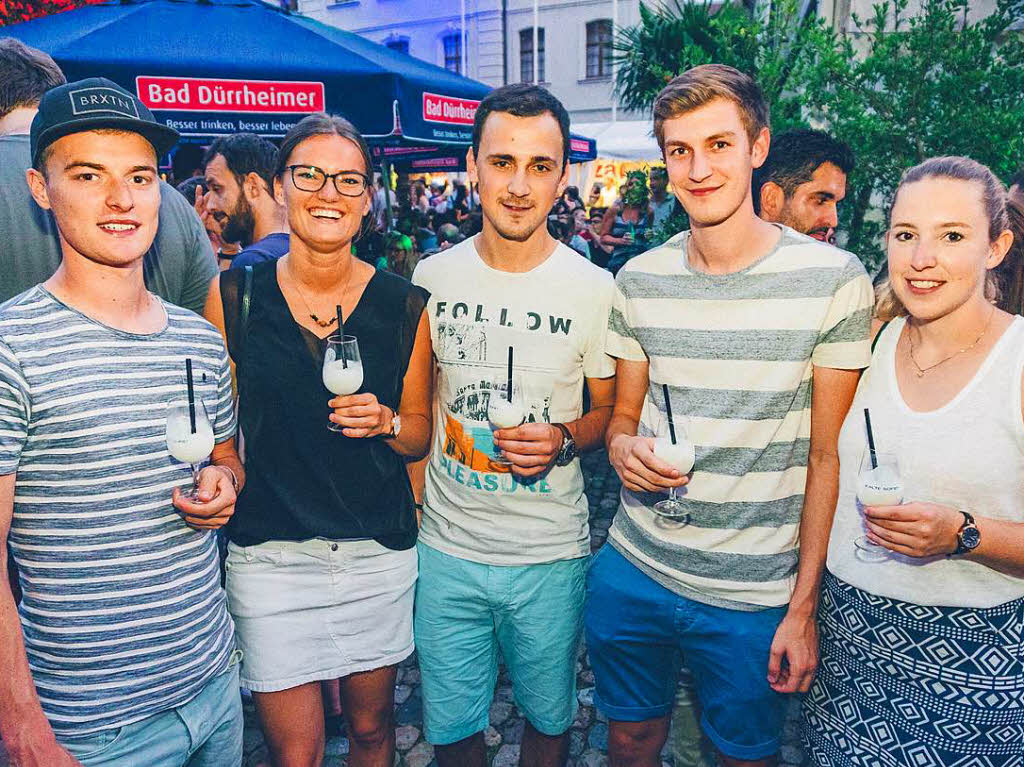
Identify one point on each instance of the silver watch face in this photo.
(396, 425)
(970, 537)
(568, 451)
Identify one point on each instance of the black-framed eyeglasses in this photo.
(309, 178)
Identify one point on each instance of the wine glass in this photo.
(673, 446)
(506, 409)
(878, 484)
(343, 369)
(188, 443)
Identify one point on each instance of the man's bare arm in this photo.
(832, 396)
(26, 733)
(796, 640)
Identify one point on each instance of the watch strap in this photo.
(567, 451)
(968, 523)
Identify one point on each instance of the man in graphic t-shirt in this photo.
(504, 544)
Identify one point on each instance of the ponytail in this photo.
(1010, 273)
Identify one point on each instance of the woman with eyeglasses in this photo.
(321, 562)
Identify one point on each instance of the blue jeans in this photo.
(205, 732)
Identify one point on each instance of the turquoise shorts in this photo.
(467, 612)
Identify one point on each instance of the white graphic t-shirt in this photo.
(555, 319)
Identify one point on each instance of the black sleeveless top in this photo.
(302, 480)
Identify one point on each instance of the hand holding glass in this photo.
(343, 369)
(681, 456)
(878, 484)
(505, 411)
(186, 445)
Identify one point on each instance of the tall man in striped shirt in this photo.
(124, 654)
(759, 334)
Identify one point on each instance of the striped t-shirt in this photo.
(123, 614)
(737, 352)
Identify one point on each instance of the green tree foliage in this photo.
(899, 88)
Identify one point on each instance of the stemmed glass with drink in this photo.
(343, 367)
(189, 432)
(673, 446)
(506, 406)
(878, 484)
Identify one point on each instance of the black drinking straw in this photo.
(668, 411)
(508, 394)
(341, 337)
(191, 394)
(871, 439)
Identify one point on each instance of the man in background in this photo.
(239, 171)
(803, 181)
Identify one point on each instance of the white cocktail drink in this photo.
(186, 446)
(680, 456)
(504, 414)
(341, 379)
(880, 486)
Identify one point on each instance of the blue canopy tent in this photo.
(446, 157)
(212, 67)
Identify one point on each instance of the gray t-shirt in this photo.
(123, 615)
(178, 267)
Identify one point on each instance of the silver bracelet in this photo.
(234, 477)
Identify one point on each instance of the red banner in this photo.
(579, 145)
(446, 109)
(193, 94)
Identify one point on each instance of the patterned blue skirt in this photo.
(902, 685)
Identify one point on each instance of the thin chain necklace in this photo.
(312, 316)
(921, 371)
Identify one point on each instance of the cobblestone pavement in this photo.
(589, 735)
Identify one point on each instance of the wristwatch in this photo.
(968, 536)
(568, 450)
(396, 427)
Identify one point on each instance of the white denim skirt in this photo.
(306, 611)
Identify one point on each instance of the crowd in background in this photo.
(426, 217)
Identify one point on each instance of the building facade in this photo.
(573, 40)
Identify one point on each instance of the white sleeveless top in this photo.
(968, 454)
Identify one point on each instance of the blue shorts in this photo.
(205, 732)
(637, 634)
(466, 612)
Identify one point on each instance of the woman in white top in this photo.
(921, 658)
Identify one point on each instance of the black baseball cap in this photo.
(95, 103)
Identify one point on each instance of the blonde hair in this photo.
(700, 85)
(993, 197)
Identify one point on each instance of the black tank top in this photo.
(302, 480)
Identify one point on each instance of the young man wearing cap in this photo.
(504, 546)
(178, 266)
(125, 653)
